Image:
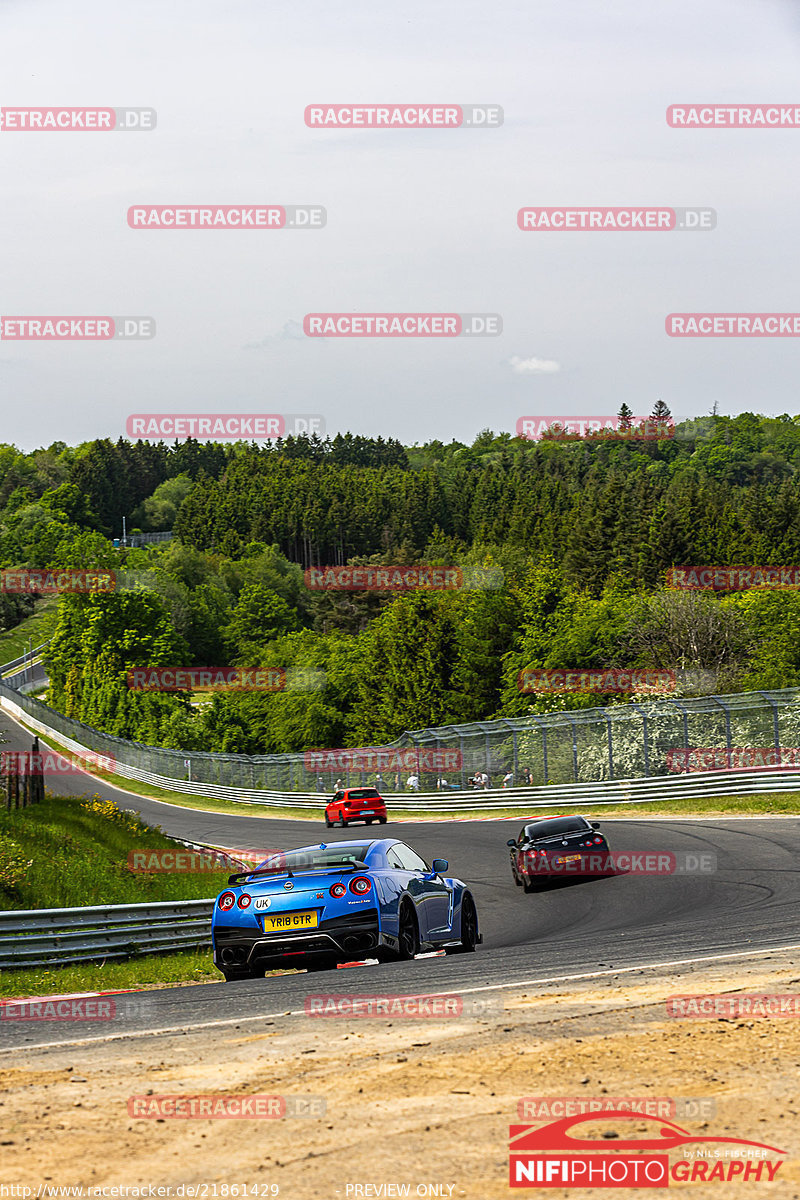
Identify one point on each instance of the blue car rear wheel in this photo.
(408, 934)
(469, 928)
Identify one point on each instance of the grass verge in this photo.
(74, 852)
(151, 970)
(40, 625)
(65, 853)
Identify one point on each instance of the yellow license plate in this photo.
(570, 858)
(283, 922)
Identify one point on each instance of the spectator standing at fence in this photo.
(413, 783)
(337, 787)
(484, 781)
(320, 784)
(379, 782)
(508, 779)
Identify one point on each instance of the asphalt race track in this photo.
(750, 902)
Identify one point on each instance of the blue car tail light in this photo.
(226, 901)
(244, 900)
(361, 885)
(337, 890)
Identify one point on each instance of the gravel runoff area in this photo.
(395, 1105)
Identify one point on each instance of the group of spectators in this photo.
(480, 780)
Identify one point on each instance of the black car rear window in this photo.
(559, 825)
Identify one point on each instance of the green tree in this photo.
(258, 617)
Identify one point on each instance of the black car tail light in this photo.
(598, 841)
(361, 885)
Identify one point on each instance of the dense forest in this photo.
(575, 533)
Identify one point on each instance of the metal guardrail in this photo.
(692, 785)
(613, 742)
(26, 659)
(58, 936)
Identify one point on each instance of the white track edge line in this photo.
(493, 987)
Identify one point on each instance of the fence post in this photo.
(37, 774)
(540, 725)
(643, 715)
(610, 747)
(720, 704)
(574, 746)
(775, 726)
(514, 748)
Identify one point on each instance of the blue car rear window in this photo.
(304, 860)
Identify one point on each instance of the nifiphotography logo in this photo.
(560, 1155)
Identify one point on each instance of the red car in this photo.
(355, 804)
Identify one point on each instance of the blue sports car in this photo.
(321, 905)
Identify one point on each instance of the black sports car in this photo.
(558, 848)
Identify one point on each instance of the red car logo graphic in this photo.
(556, 1135)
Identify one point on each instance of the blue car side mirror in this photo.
(439, 866)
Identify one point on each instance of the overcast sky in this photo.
(417, 221)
